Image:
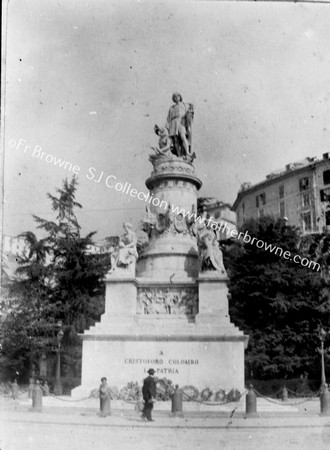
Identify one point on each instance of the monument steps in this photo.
(139, 323)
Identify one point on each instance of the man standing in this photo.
(149, 395)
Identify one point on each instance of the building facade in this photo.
(221, 213)
(300, 194)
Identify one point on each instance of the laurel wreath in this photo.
(190, 392)
(220, 396)
(206, 394)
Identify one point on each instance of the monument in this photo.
(167, 308)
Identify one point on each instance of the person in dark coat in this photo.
(149, 395)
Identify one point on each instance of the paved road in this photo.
(48, 436)
(55, 429)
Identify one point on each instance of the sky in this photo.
(85, 82)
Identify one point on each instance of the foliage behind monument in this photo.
(280, 304)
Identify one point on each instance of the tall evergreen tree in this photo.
(77, 275)
(60, 281)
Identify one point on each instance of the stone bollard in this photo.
(177, 402)
(325, 401)
(14, 390)
(37, 397)
(285, 394)
(31, 387)
(251, 403)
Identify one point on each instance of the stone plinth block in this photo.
(217, 363)
(120, 296)
(213, 296)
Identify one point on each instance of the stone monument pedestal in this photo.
(205, 350)
(169, 311)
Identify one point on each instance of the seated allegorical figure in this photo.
(209, 251)
(165, 143)
(126, 252)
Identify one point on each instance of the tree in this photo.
(32, 264)
(59, 281)
(279, 303)
(27, 315)
(202, 202)
(77, 275)
(27, 329)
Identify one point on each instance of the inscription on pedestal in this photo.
(162, 365)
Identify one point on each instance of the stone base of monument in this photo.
(204, 350)
(201, 361)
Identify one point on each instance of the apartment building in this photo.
(299, 193)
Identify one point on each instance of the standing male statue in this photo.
(179, 123)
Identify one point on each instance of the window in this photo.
(304, 184)
(263, 199)
(282, 210)
(260, 200)
(281, 191)
(327, 217)
(307, 221)
(217, 215)
(261, 213)
(306, 200)
(326, 177)
(325, 195)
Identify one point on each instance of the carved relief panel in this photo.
(167, 301)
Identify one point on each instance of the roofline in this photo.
(217, 204)
(276, 179)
